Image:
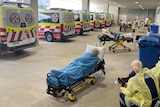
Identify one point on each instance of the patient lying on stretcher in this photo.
(112, 34)
(108, 35)
(79, 68)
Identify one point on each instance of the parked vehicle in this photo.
(56, 24)
(17, 27)
(82, 21)
(94, 21)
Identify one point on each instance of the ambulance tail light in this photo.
(3, 36)
(61, 28)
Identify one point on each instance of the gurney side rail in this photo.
(54, 75)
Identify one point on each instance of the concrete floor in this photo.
(22, 82)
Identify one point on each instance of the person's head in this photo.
(136, 66)
(95, 51)
(148, 29)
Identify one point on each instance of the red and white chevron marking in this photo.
(18, 36)
(69, 28)
(49, 28)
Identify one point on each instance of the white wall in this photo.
(157, 17)
(67, 4)
(113, 9)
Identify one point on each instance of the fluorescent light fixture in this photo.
(139, 5)
(114, 3)
(136, 2)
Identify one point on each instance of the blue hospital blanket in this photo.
(79, 68)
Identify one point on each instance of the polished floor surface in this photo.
(22, 77)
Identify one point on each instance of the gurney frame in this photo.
(118, 42)
(75, 87)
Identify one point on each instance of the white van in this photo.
(56, 24)
(17, 27)
(82, 21)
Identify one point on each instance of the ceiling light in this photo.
(136, 2)
(114, 3)
(139, 5)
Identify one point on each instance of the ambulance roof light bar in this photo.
(20, 5)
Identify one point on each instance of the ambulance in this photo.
(112, 18)
(102, 18)
(82, 21)
(94, 20)
(17, 27)
(108, 19)
(56, 24)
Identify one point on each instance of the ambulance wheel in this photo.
(49, 37)
(81, 32)
(18, 52)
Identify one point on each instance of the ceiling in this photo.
(145, 4)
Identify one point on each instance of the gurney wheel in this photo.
(93, 82)
(109, 48)
(72, 97)
(113, 51)
(129, 50)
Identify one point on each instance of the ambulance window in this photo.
(76, 17)
(55, 17)
(91, 17)
(101, 17)
(48, 18)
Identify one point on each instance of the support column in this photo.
(34, 5)
(85, 5)
(157, 18)
(106, 8)
(114, 9)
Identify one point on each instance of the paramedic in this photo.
(134, 25)
(135, 89)
(136, 68)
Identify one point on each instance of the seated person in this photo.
(136, 68)
(149, 32)
(76, 70)
(143, 88)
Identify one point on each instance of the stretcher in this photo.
(74, 76)
(117, 38)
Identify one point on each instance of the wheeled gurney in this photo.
(71, 78)
(118, 40)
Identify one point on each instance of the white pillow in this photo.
(100, 49)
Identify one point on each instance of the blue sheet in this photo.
(79, 68)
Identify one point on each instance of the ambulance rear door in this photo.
(86, 21)
(68, 23)
(97, 22)
(20, 25)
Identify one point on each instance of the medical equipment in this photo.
(74, 76)
(118, 39)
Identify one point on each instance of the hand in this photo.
(119, 85)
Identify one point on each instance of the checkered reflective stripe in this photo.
(18, 36)
(49, 28)
(86, 25)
